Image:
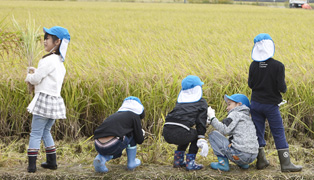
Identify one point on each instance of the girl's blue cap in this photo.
(63, 35)
(238, 98)
(190, 82)
(58, 31)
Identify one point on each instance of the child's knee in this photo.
(213, 134)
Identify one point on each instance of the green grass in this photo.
(145, 50)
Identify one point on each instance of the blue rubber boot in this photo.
(179, 159)
(222, 164)
(132, 161)
(100, 163)
(244, 166)
(190, 163)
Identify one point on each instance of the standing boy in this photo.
(267, 81)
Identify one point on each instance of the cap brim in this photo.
(263, 50)
(46, 30)
(226, 97)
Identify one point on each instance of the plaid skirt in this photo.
(48, 106)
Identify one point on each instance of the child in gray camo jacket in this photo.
(242, 145)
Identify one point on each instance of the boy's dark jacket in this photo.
(190, 114)
(267, 81)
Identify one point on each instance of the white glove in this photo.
(282, 102)
(209, 121)
(202, 144)
(211, 112)
(143, 132)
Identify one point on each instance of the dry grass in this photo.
(75, 162)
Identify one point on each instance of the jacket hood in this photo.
(243, 109)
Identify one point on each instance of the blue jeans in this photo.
(41, 127)
(115, 149)
(261, 112)
(220, 145)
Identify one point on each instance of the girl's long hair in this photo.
(54, 38)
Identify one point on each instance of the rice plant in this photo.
(29, 39)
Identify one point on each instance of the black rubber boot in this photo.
(51, 162)
(285, 163)
(262, 162)
(32, 164)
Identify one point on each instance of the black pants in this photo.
(182, 137)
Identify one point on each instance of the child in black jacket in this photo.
(267, 81)
(190, 110)
(122, 130)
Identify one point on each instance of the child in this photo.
(241, 147)
(121, 130)
(190, 110)
(47, 104)
(267, 81)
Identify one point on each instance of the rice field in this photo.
(145, 50)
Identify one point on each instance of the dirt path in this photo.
(150, 171)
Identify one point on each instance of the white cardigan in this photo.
(49, 75)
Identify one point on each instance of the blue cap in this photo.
(262, 36)
(58, 31)
(63, 35)
(133, 98)
(264, 47)
(134, 105)
(190, 82)
(238, 98)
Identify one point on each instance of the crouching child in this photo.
(242, 145)
(122, 130)
(190, 110)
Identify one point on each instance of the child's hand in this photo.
(31, 70)
(202, 144)
(211, 113)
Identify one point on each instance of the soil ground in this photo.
(151, 171)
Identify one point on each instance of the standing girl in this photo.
(47, 104)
